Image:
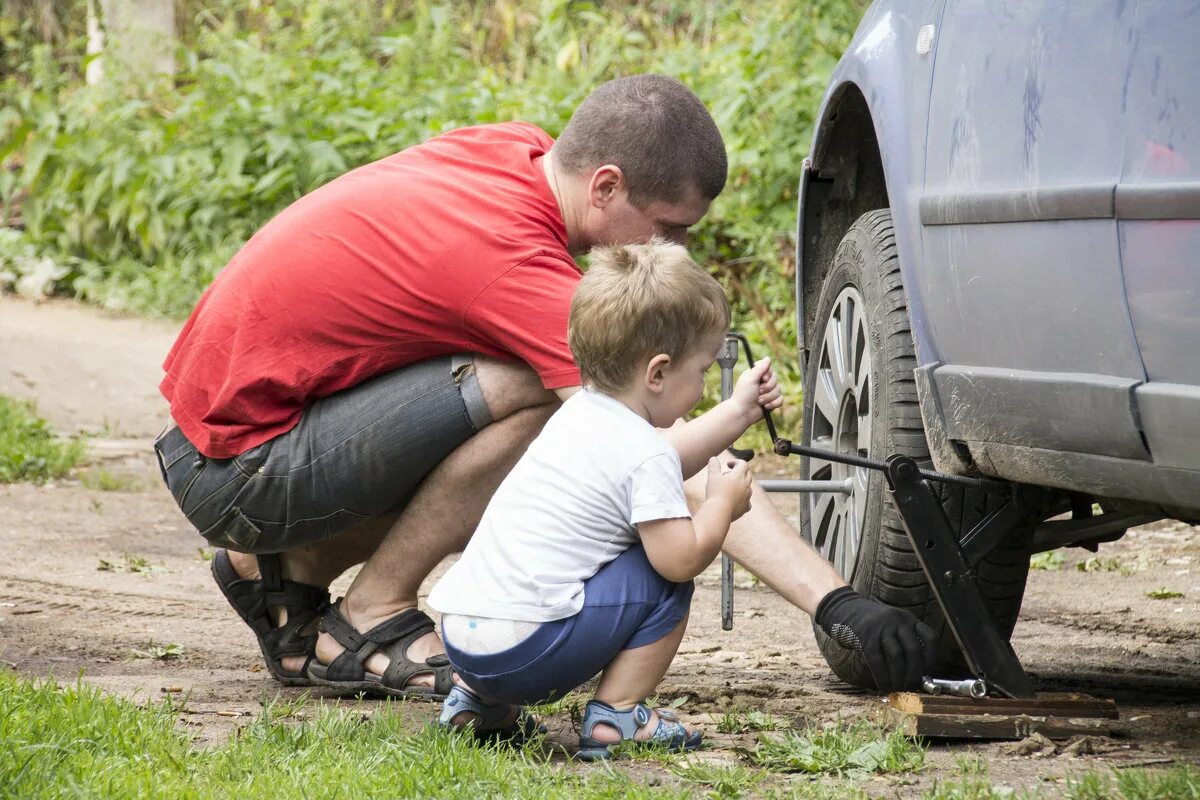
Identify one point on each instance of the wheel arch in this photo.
(842, 180)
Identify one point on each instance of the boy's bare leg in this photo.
(768, 546)
(400, 551)
(632, 676)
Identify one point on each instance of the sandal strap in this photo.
(626, 722)
(303, 603)
(392, 638)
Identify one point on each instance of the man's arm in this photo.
(897, 647)
(565, 392)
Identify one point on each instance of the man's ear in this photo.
(607, 182)
(656, 372)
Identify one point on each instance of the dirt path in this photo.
(1095, 632)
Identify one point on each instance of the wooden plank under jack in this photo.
(1056, 716)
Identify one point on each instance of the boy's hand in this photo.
(731, 483)
(757, 388)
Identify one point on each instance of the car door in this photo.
(1021, 277)
(1158, 216)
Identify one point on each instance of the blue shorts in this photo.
(625, 605)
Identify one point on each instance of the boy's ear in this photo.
(656, 372)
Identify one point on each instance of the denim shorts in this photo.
(353, 456)
(626, 604)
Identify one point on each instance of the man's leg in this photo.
(768, 546)
(401, 550)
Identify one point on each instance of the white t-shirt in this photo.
(568, 507)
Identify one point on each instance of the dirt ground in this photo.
(1094, 632)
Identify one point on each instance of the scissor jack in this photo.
(949, 561)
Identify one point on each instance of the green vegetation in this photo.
(105, 480)
(73, 741)
(1100, 564)
(1051, 561)
(745, 720)
(132, 563)
(159, 652)
(1163, 593)
(29, 451)
(856, 749)
(133, 195)
(1176, 783)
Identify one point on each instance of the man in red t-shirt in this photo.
(362, 375)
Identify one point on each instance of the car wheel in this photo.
(860, 397)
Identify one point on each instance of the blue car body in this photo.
(1041, 161)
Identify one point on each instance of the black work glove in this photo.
(897, 647)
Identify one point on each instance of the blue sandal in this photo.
(669, 734)
(488, 726)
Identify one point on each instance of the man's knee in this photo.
(509, 386)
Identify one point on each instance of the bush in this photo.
(29, 450)
(144, 191)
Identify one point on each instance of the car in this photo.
(998, 274)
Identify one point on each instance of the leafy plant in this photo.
(138, 193)
(856, 749)
(1163, 593)
(163, 652)
(722, 780)
(746, 720)
(105, 480)
(1100, 564)
(1051, 561)
(29, 450)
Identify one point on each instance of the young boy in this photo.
(583, 562)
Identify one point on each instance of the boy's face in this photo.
(683, 381)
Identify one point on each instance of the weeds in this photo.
(1100, 564)
(75, 742)
(1051, 561)
(139, 565)
(163, 652)
(1176, 783)
(853, 749)
(29, 451)
(107, 481)
(722, 780)
(1163, 593)
(744, 721)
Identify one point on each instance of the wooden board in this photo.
(1058, 705)
(1056, 716)
(997, 726)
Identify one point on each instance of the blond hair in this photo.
(637, 301)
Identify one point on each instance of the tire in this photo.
(862, 328)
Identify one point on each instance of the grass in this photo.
(105, 480)
(746, 720)
(854, 749)
(73, 741)
(1163, 593)
(29, 450)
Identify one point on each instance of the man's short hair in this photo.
(636, 301)
(656, 130)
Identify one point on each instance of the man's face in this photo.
(612, 220)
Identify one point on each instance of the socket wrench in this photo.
(972, 687)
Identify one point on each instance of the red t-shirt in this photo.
(455, 245)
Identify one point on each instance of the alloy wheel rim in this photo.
(841, 422)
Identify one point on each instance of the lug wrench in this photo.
(972, 687)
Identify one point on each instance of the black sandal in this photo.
(391, 638)
(252, 599)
